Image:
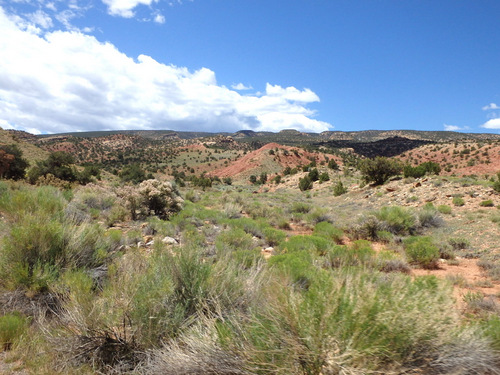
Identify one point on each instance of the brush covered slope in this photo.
(148, 276)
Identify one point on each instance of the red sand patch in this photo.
(258, 157)
(473, 276)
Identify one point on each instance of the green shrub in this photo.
(496, 183)
(30, 252)
(247, 258)
(397, 220)
(379, 170)
(12, 326)
(415, 172)
(359, 253)
(235, 239)
(374, 321)
(300, 207)
(444, 209)
(457, 201)
(59, 164)
(323, 177)
(305, 183)
(491, 329)
(253, 227)
(422, 251)
(428, 217)
(13, 165)
(298, 266)
(384, 236)
(273, 236)
(327, 230)
(313, 244)
(313, 175)
(339, 189)
(332, 164)
(133, 173)
(459, 243)
(487, 203)
(41, 239)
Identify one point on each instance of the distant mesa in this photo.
(245, 133)
(291, 132)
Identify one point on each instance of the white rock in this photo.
(170, 241)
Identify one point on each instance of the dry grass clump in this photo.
(197, 352)
(467, 354)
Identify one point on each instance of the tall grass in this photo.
(40, 242)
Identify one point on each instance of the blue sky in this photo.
(226, 65)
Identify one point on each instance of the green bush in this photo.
(12, 326)
(459, 243)
(313, 244)
(298, 266)
(457, 201)
(41, 239)
(373, 321)
(332, 164)
(422, 251)
(379, 170)
(428, 217)
(300, 207)
(487, 203)
(496, 183)
(235, 239)
(273, 236)
(12, 163)
(339, 189)
(415, 172)
(428, 167)
(305, 183)
(323, 177)
(444, 209)
(59, 164)
(327, 230)
(384, 236)
(313, 175)
(491, 329)
(133, 173)
(253, 227)
(359, 253)
(397, 220)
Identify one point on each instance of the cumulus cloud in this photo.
(241, 87)
(41, 19)
(452, 128)
(291, 93)
(124, 8)
(492, 124)
(490, 106)
(159, 18)
(67, 81)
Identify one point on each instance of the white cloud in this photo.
(291, 93)
(492, 124)
(159, 18)
(241, 87)
(41, 19)
(51, 6)
(490, 107)
(124, 8)
(68, 81)
(452, 128)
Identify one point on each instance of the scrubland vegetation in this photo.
(145, 276)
